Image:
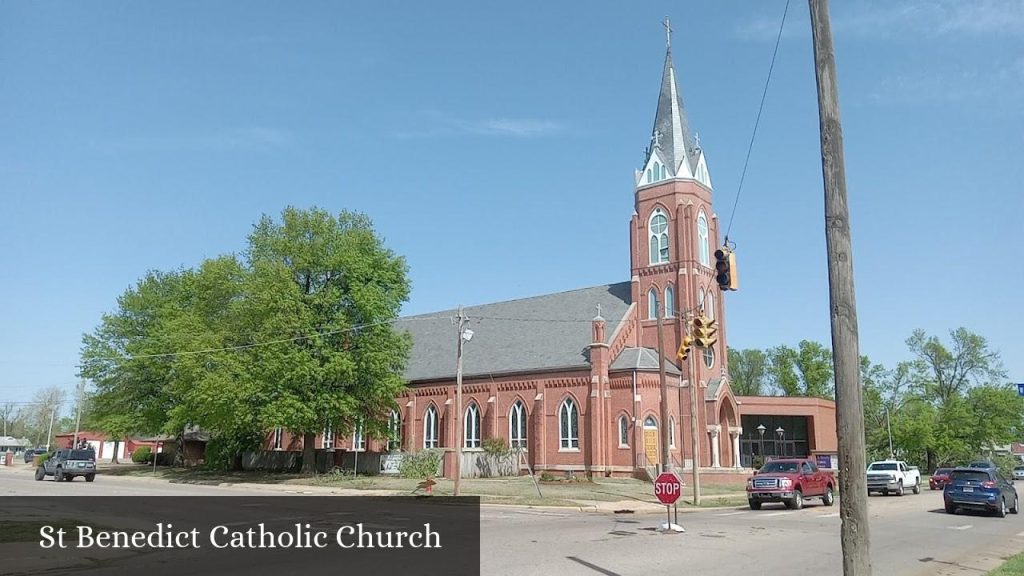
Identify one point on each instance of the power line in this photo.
(753, 135)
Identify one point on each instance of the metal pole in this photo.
(855, 531)
(78, 418)
(460, 434)
(49, 433)
(666, 461)
(888, 424)
(694, 442)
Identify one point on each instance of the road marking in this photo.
(775, 514)
(963, 527)
(731, 513)
(832, 515)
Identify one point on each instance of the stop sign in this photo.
(667, 487)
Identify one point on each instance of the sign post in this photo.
(667, 489)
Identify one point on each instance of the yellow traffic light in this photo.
(725, 269)
(705, 330)
(684, 348)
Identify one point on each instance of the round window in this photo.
(709, 357)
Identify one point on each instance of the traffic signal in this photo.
(705, 330)
(725, 267)
(684, 348)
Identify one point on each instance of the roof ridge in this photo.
(454, 310)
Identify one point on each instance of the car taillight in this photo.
(988, 484)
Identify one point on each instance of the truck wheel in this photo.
(917, 487)
(90, 477)
(754, 504)
(797, 502)
(68, 477)
(1016, 506)
(899, 488)
(58, 475)
(829, 498)
(40, 473)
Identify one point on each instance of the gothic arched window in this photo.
(517, 425)
(658, 227)
(704, 255)
(652, 304)
(670, 303)
(623, 432)
(568, 425)
(430, 428)
(472, 427)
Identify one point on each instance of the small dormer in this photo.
(700, 173)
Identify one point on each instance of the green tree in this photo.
(748, 371)
(804, 371)
(950, 371)
(330, 282)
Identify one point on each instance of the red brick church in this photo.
(573, 377)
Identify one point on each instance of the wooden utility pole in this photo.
(666, 459)
(460, 434)
(854, 535)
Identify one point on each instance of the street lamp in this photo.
(782, 439)
(760, 430)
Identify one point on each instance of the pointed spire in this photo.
(671, 138)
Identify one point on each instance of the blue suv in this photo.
(980, 489)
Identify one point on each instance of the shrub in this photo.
(422, 464)
(546, 477)
(142, 455)
(496, 447)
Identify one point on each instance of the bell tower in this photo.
(674, 233)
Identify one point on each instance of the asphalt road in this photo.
(910, 535)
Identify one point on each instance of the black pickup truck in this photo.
(64, 465)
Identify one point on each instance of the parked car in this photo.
(1018, 472)
(31, 453)
(987, 464)
(64, 465)
(939, 478)
(790, 481)
(980, 489)
(893, 476)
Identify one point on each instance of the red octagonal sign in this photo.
(668, 488)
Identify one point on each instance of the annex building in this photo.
(572, 378)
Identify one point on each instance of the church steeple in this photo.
(672, 144)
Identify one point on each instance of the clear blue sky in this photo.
(494, 144)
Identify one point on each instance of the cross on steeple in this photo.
(668, 32)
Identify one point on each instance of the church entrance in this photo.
(651, 441)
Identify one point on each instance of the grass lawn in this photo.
(1013, 567)
(514, 490)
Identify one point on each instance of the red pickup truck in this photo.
(790, 481)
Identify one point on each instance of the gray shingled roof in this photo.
(711, 392)
(527, 335)
(641, 359)
(664, 123)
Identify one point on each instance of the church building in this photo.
(572, 378)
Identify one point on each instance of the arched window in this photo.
(657, 171)
(623, 432)
(328, 438)
(709, 306)
(358, 439)
(672, 432)
(700, 302)
(278, 438)
(568, 425)
(648, 175)
(652, 303)
(670, 302)
(704, 254)
(430, 428)
(650, 422)
(709, 357)
(395, 431)
(517, 425)
(658, 227)
(664, 173)
(472, 439)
